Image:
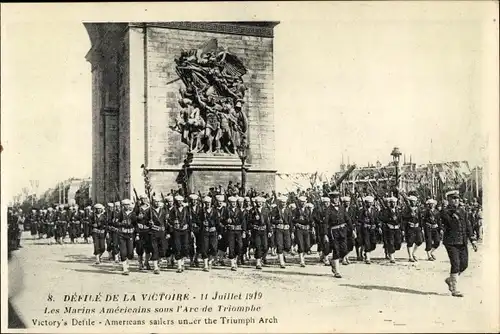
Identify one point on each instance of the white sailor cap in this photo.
(88, 207)
(303, 199)
(126, 202)
(247, 198)
(179, 198)
(220, 198)
(453, 193)
(327, 200)
(207, 199)
(194, 197)
(161, 204)
(260, 199)
(232, 199)
(282, 198)
(99, 206)
(50, 209)
(345, 199)
(412, 198)
(184, 204)
(143, 196)
(368, 199)
(310, 205)
(431, 201)
(391, 199)
(117, 203)
(169, 198)
(241, 199)
(292, 206)
(334, 193)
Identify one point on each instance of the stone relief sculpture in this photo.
(211, 118)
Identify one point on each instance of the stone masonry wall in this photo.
(165, 149)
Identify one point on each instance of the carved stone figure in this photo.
(211, 118)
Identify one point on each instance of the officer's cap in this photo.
(126, 202)
(98, 206)
(179, 198)
(220, 198)
(194, 197)
(368, 199)
(303, 199)
(453, 194)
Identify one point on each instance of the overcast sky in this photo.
(352, 79)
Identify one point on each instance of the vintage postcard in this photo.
(246, 167)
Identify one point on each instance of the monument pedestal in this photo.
(211, 170)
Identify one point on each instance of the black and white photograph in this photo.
(246, 167)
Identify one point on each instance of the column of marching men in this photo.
(175, 228)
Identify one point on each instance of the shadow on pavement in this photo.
(298, 273)
(99, 271)
(393, 289)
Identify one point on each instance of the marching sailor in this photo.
(457, 231)
(143, 246)
(235, 228)
(413, 228)
(125, 229)
(157, 221)
(282, 229)
(370, 227)
(392, 231)
(351, 227)
(432, 228)
(98, 222)
(336, 220)
(179, 230)
(302, 223)
(209, 233)
(319, 215)
(260, 227)
(193, 215)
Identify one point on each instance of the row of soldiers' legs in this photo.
(153, 247)
(60, 230)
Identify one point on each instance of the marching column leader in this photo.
(457, 230)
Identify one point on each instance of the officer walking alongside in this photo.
(457, 231)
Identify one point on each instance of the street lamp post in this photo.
(242, 151)
(396, 154)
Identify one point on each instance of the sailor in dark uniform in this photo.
(336, 220)
(412, 222)
(98, 223)
(125, 229)
(457, 231)
(431, 220)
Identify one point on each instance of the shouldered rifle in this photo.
(136, 206)
(377, 197)
(342, 177)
